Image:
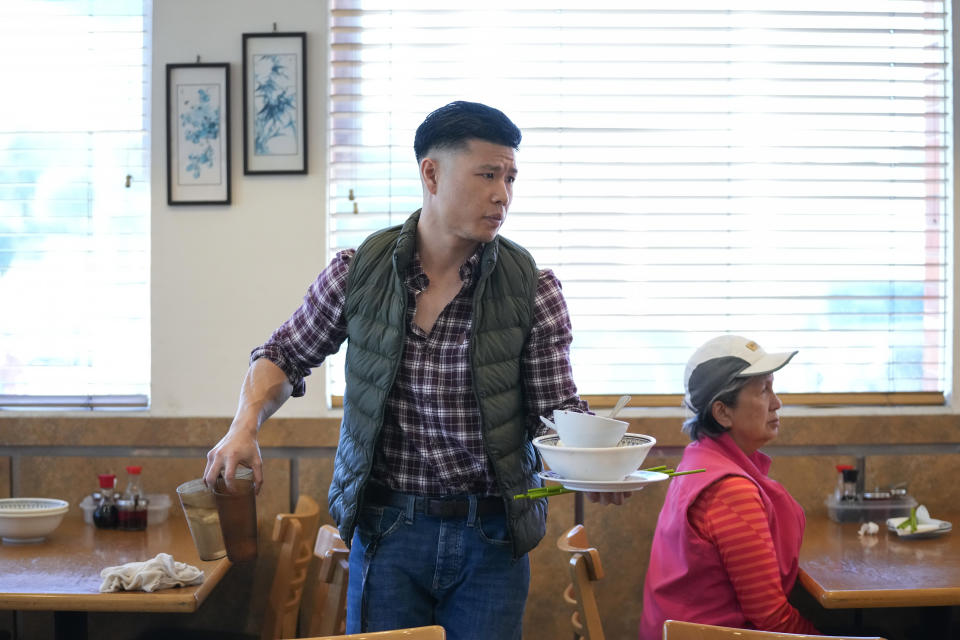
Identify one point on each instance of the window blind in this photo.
(74, 203)
(688, 168)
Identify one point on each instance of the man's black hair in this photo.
(454, 125)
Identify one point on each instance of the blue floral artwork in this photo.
(275, 105)
(199, 137)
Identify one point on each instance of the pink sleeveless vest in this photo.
(686, 579)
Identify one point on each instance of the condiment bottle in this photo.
(132, 507)
(849, 484)
(838, 492)
(105, 515)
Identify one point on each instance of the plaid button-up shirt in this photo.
(431, 443)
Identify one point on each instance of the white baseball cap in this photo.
(720, 361)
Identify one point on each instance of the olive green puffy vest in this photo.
(376, 321)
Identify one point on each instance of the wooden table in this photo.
(843, 570)
(62, 574)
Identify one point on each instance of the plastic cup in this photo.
(200, 508)
(238, 515)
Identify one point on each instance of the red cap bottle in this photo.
(105, 515)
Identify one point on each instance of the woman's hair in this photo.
(702, 423)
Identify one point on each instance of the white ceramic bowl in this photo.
(595, 463)
(30, 519)
(584, 430)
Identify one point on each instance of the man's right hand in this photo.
(238, 446)
(265, 388)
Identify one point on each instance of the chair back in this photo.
(289, 533)
(585, 569)
(677, 630)
(295, 532)
(327, 615)
(434, 632)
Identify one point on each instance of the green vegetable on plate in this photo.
(911, 521)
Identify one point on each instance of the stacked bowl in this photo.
(592, 448)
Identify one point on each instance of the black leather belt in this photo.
(452, 507)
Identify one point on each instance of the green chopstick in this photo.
(670, 472)
(558, 489)
(544, 492)
(683, 473)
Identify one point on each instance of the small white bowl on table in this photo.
(26, 520)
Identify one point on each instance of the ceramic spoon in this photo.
(621, 403)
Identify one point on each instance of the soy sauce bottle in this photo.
(132, 507)
(105, 515)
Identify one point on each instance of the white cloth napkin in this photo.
(161, 572)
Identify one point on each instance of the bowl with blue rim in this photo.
(595, 463)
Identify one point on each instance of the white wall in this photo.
(224, 276)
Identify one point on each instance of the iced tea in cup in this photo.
(238, 515)
(200, 508)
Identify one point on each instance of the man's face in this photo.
(474, 188)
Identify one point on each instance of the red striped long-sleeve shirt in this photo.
(730, 514)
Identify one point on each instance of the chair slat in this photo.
(585, 569)
(328, 607)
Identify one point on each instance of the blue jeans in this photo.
(408, 569)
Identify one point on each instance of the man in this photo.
(457, 343)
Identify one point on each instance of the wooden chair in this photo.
(676, 630)
(295, 532)
(326, 612)
(585, 569)
(434, 632)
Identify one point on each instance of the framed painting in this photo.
(198, 133)
(274, 103)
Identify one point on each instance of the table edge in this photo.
(879, 598)
(172, 600)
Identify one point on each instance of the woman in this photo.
(727, 540)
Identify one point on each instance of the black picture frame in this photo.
(198, 133)
(275, 103)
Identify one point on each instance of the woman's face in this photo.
(755, 420)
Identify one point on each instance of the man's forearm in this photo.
(265, 389)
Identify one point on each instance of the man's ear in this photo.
(721, 413)
(429, 174)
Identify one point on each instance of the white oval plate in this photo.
(942, 527)
(633, 482)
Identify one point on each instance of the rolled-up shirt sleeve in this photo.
(548, 376)
(315, 330)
